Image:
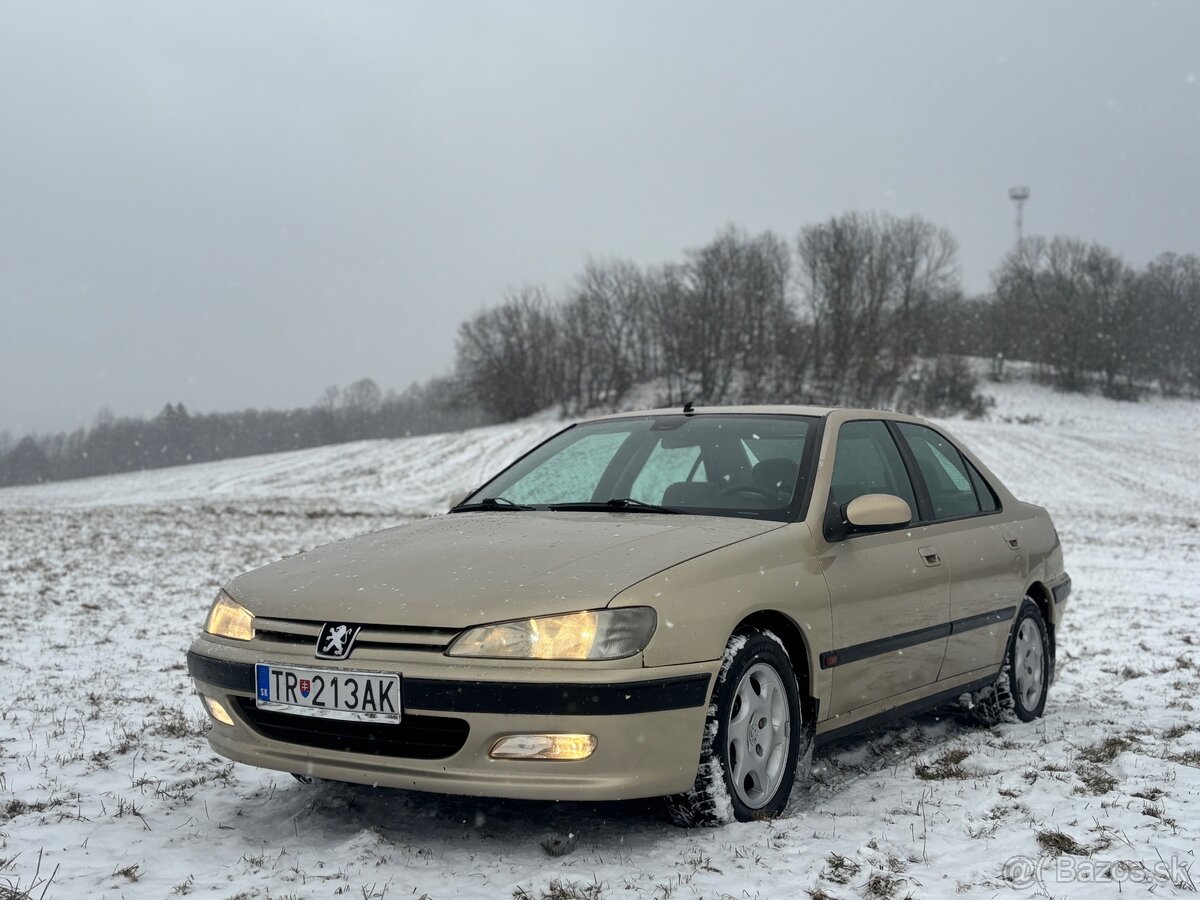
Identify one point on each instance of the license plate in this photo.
(329, 693)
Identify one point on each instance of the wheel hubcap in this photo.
(1029, 661)
(758, 735)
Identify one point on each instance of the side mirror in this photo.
(458, 497)
(877, 511)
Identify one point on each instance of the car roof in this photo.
(843, 412)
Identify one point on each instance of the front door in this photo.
(890, 591)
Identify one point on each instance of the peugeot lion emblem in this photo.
(336, 640)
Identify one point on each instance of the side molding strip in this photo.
(983, 620)
(866, 650)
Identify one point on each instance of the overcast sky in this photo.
(237, 204)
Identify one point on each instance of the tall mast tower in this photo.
(1018, 195)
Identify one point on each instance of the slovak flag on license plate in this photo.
(305, 687)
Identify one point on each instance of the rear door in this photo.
(986, 562)
(889, 590)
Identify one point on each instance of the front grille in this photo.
(394, 637)
(416, 737)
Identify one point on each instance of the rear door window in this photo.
(945, 472)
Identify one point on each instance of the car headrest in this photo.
(777, 474)
(689, 493)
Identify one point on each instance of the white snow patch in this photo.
(104, 770)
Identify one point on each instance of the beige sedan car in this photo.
(663, 603)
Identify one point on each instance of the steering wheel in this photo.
(747, 489)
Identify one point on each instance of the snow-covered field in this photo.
(107, 787)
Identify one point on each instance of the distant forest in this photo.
(176, 437)
(862, 309)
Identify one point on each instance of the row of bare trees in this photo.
(860, 309)
(1089, 317)
(839, 315)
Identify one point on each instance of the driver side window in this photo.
(867, 462)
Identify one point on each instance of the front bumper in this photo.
(648, 724)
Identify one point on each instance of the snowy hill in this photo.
(1034, 438)
(104, 773)
(403, 475)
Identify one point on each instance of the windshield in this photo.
(711, 464)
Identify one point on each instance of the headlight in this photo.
(229, 619)
(592, 634)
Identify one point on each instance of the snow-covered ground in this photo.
(108, 788)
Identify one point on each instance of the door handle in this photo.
(930, 556)
(1014, 543)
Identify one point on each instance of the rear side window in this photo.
(945, 471)
(987, 497)
(867, 462)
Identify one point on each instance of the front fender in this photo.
(701, 601)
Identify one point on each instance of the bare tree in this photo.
(766, 320)
(713, 302)
(671, 316)
(1116, 351)
(509, 358)
(872, 282)
(605, 342)
(1078, 307)
(363, 395)
(927, 275)
(840, 262)
(724, 320)
(1168, 316)
(358, 410)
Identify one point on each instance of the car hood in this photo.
(464, 569)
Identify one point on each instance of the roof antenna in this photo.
(688, 408)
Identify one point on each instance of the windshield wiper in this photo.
(622, 504)
(490, 503)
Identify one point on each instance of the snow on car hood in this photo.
(464, 569)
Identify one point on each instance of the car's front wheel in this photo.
(753, 737)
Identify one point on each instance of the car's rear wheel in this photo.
(753, 737)
(1021, 688)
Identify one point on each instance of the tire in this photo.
(753, 732)
(1019, 694)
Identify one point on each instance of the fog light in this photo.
(544, 746)
(217, 711)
